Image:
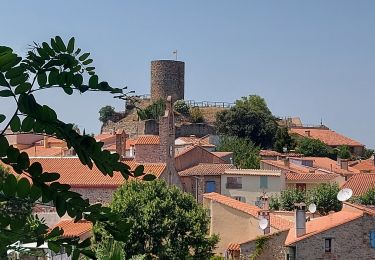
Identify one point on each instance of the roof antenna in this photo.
(321, 121)
(175, 53)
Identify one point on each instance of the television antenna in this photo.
(263, 223)
(344, 194)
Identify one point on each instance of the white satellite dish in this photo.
(344, 194)
(312, 208)
(263, 223)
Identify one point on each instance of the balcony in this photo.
(233, 185)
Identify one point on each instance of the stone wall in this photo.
(190, 184)
(167, 79)
(146, 153)
(96, 195)
(349, 241)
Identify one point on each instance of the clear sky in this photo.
(312, 59)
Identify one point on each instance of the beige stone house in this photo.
(236, 222)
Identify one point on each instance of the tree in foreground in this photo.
(367, 198)
(53, 65)
(245, 153)
(251, 119)
(166, 223)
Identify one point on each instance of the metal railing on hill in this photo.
(194, 103)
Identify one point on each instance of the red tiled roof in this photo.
(74, 229)
(310, 176)
(360, 183)
(275, 221)
(269, 153)
(222, 154)
(206, 169)
(77, 175)
(40, 151)
(148, 140)
(364, 165)
(105, 137)
(130, 142)
(233, 247)
(321, 224)
(327, 136)
(253, 172)
(195, 141)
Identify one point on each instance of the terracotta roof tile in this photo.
(222, 154)
(148, 140)
(74, 229)
(233, 247)
(206, 169)
(40, 151)
(253, 172)
(75, 174)
(310, 176)
(269, 153)
(193, 140)
(360, 183)
(364, 165)
(327, 136)
(275, 221)
(321, 224)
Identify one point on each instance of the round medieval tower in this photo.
(167, 79)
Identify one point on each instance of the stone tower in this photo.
(167, 79)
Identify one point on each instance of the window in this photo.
(301, 186)
(328, 245)
(263, 182)
(234, 183)
(210, 186)
(240, 198)
(372, 238)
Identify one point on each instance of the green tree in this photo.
(47, 66)
(165, 222)
(325, 197)
(283, 139)
(196, 115)
(344, 152)
(367, 153)
(291, 196)
(181, 107)
(313, 147)
(106, 113)
(245, 153)
(250, 118)
(152, 111)
(367, 198)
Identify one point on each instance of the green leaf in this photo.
(27, 124)
(54, 246)
(42, 79)
(139, 171)
(54, 45)
(55, 233)
(78, 51)
(149, 177)
(2, 118)
(42, 53)
(53, 77)
(84, 56)
(23, 188)
(35, 170)
(90, 68)
(35, 193)
(60, 44)
(19, 80)
(10, 185)
(68, 90)
(87, 62)
(14, 72)
(3, 81)
(23, 161)
(49, 177)
(23, 88)
(93, 82)
(4, 145)
(77, 80)
(6, 93)
(15, 124)
(60, 206)
(70, 47)
(48, 49)
(13, 154)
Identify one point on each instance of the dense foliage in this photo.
(106, 113)
(367, 198)
(165, 222)
(64, 67)
(344, 152)
(283, 140)
(368, 153)
(152, 111)
(323, 195)
(245, 153)
(313, 147)
(196, 115)
(182, 107)
(250, 118)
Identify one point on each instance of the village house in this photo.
(329, 137)
(360, 183)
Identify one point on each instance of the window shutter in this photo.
(372, 238)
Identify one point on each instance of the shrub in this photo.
(181, 107)
(153, 111)
(105, 113)
(196, 115)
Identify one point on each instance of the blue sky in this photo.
(313, 59)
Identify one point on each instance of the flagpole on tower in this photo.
(175, 53)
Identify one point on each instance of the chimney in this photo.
(287, 162)
(344, 164)
(120, 143)
(308, 133)
(300, 219)
(45, 142)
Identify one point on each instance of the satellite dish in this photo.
(344, 194)
(312, 208)
(263, 223)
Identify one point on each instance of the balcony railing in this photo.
(233, 185)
